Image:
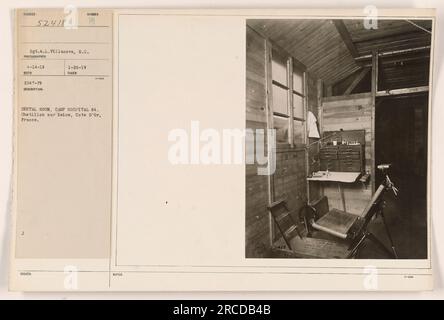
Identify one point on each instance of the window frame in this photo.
(290, 67)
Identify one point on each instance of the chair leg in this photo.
(367, 235)
(355, 248)
(389, 235)
(375, 240)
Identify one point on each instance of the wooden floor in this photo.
(312, 248)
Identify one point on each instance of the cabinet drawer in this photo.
(329, 148)
(328, 155)
(349, 155)
(350, 165)
(348, 148)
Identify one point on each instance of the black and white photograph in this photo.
(340, 110)
(286, 151)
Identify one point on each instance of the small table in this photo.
(335, 176)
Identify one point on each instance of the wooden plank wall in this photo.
(313, 151)
(289, 178)
(257, 231)
(352, 112)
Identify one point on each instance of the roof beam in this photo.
(391, 37)
(345, 35)
(399, 59)
(395, 92)
(356, 80)
(394, 52)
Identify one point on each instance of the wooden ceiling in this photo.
(335, 49)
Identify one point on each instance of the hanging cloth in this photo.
(312, 126)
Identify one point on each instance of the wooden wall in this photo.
(352, 112)
(257, 225)
(289, 180)
(314, 93)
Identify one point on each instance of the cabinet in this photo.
(346, 158)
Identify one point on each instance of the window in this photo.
(281, 126)
(298, 106)
(280, 89)
(288, 100)
(279, 68)
(280, 100)
(298, 81)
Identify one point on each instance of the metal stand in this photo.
(368, 235)
(389, 235)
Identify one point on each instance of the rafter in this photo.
(390, 37)
(395, 92)
(345, 35)
(402, 58)
(356, 80)
(394, 52)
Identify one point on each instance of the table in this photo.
(335, 176)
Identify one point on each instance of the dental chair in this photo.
(349, 230)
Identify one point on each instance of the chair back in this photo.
(373, 204)
(320, 207)
(278, 207)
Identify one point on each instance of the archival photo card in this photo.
(222, 150)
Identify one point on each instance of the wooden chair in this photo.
(293, 244)
(284, 220)
(351, 227)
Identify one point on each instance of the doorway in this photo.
(401, 126)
